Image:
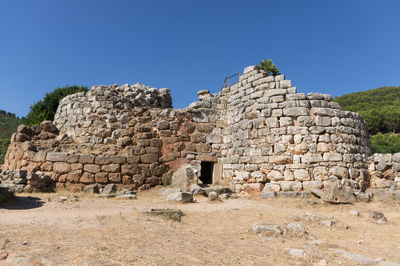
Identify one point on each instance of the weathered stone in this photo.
(109, 189)
(149, 158)
(301, 175)
(87, 178)
(25, 130)
(162, 125)
(257, 131)
(165, 192)
(396, 157)
(61, 168)
(281, 160)
(118, 159)
(333, 193)
(101, 177)
(57, 156)
(132, 159)
(111, 168)
(94, 188)
(115, 177)
(49, 127)
(91, 168)
(86, 158)
(382, 166)
(275, 175)
(103, 159)
(213, 196)
(183, 197)
(295, 111)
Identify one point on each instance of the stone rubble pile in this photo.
(384, 170)
(22, 181)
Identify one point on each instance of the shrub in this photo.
(268, 67)
(385, 143)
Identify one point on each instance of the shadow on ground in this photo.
(22, 203)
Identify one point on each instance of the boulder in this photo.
(109, 189)
(334, 193)
(197, 190)
(213, 196)
(165, 192)
(183, 197)
(49, 127)
(94, 188)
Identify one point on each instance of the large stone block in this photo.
(198, 137)
(86, 158)
(111, 168)
(57, 156)
(61, 167)
(275, 175)
(74, 176)
(91, 168)
(396, 157)
(295, 111)
(301, 175)
(334, 193)
(132, 159)
(149, 158)
(324, 121)
(87, 178)
(115, 177)
(101, 177)
(129, 169)
(280, 160)
(40, 156)
(118, 159)
(332, 157)
(103, 159)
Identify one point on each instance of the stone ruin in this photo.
(254, 135)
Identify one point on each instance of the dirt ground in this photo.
(98, 231)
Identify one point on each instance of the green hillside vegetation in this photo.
(385, 143)
(379, 107)
(381, 111)
(8, 125)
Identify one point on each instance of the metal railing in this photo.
(231, 80)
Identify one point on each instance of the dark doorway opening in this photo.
(207, 172)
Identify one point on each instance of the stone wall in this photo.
(384, 170)
(99, 115)
(259, 133)
(286, 140)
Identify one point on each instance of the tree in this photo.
(268, 67)
(46, 109)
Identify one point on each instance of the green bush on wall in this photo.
(269, 67)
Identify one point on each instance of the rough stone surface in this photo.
(334, 193)
(183, 197)
(256, 132)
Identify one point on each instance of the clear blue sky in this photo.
(334, 47)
